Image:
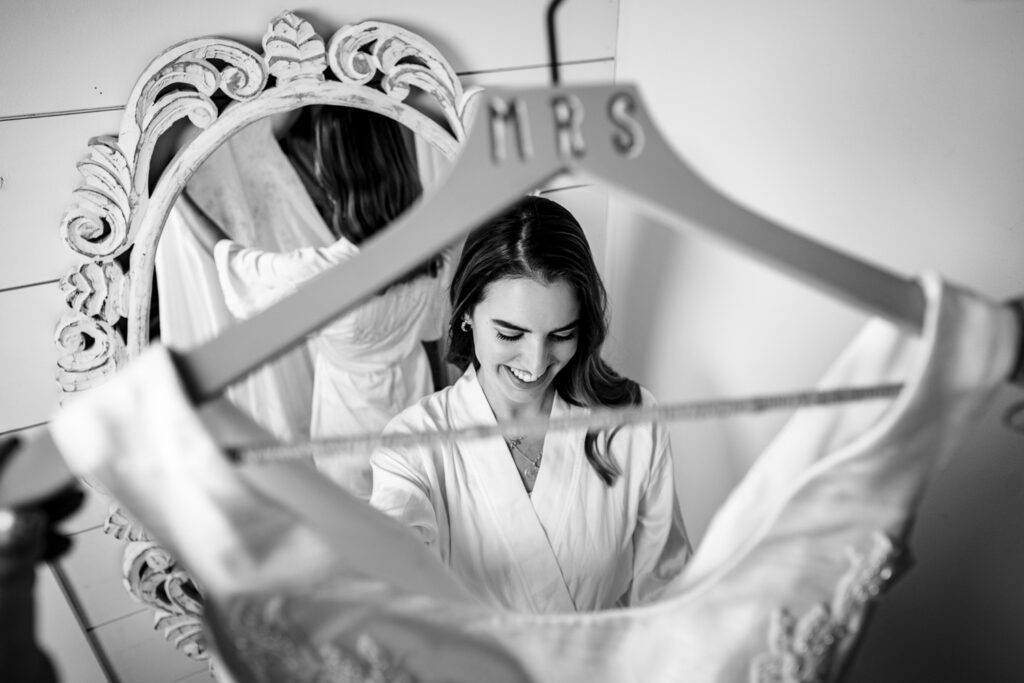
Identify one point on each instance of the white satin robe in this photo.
(369, 364)
(248, 188)
(574, 545)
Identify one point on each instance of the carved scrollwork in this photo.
(358, 52)
(88, 350)
(152, 576)
(293, 49)
(106, 205)
(161, 109)
(372, 65)
(120, 525)
(185, 632)
(96, 224)
(244, 75)
(97, 289)
(180, 82)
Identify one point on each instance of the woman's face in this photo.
(524, 333)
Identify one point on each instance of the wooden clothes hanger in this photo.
(519, 140)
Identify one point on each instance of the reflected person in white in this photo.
(360, 171)
(569, 521)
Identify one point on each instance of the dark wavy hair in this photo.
(539, 239)
(360, 169)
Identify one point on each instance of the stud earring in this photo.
(466, 326)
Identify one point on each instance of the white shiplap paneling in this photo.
(37, 164)
(28, 390)
(61, 56)
(59, 634)
(138, 652)
(93, 568)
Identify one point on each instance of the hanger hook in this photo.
(553, 40)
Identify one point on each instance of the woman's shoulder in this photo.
(647, 398)
(430, 413)
(425, 416)
(460, 404)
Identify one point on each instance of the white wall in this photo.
(68, 68)
(893, 131)
(889, 129)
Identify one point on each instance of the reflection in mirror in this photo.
(130, 191)
(282, 200)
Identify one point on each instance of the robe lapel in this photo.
(558, 481)
(493, 476)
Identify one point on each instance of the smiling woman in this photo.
(592, 520)
(517, 362)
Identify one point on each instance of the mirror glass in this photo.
(245, 168)
(279, 202)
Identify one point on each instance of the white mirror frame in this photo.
(114, 215)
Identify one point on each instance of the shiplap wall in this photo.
(66, 69)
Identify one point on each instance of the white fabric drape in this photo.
(250, 190)
(779, 589)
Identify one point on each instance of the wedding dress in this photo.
(306, 584)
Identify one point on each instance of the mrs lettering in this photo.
(511, 134)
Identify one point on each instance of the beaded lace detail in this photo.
(275, 652)
(805, 649)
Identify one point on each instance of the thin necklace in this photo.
(528, 472)
(514, 446)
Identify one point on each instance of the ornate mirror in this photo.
(118, 214)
